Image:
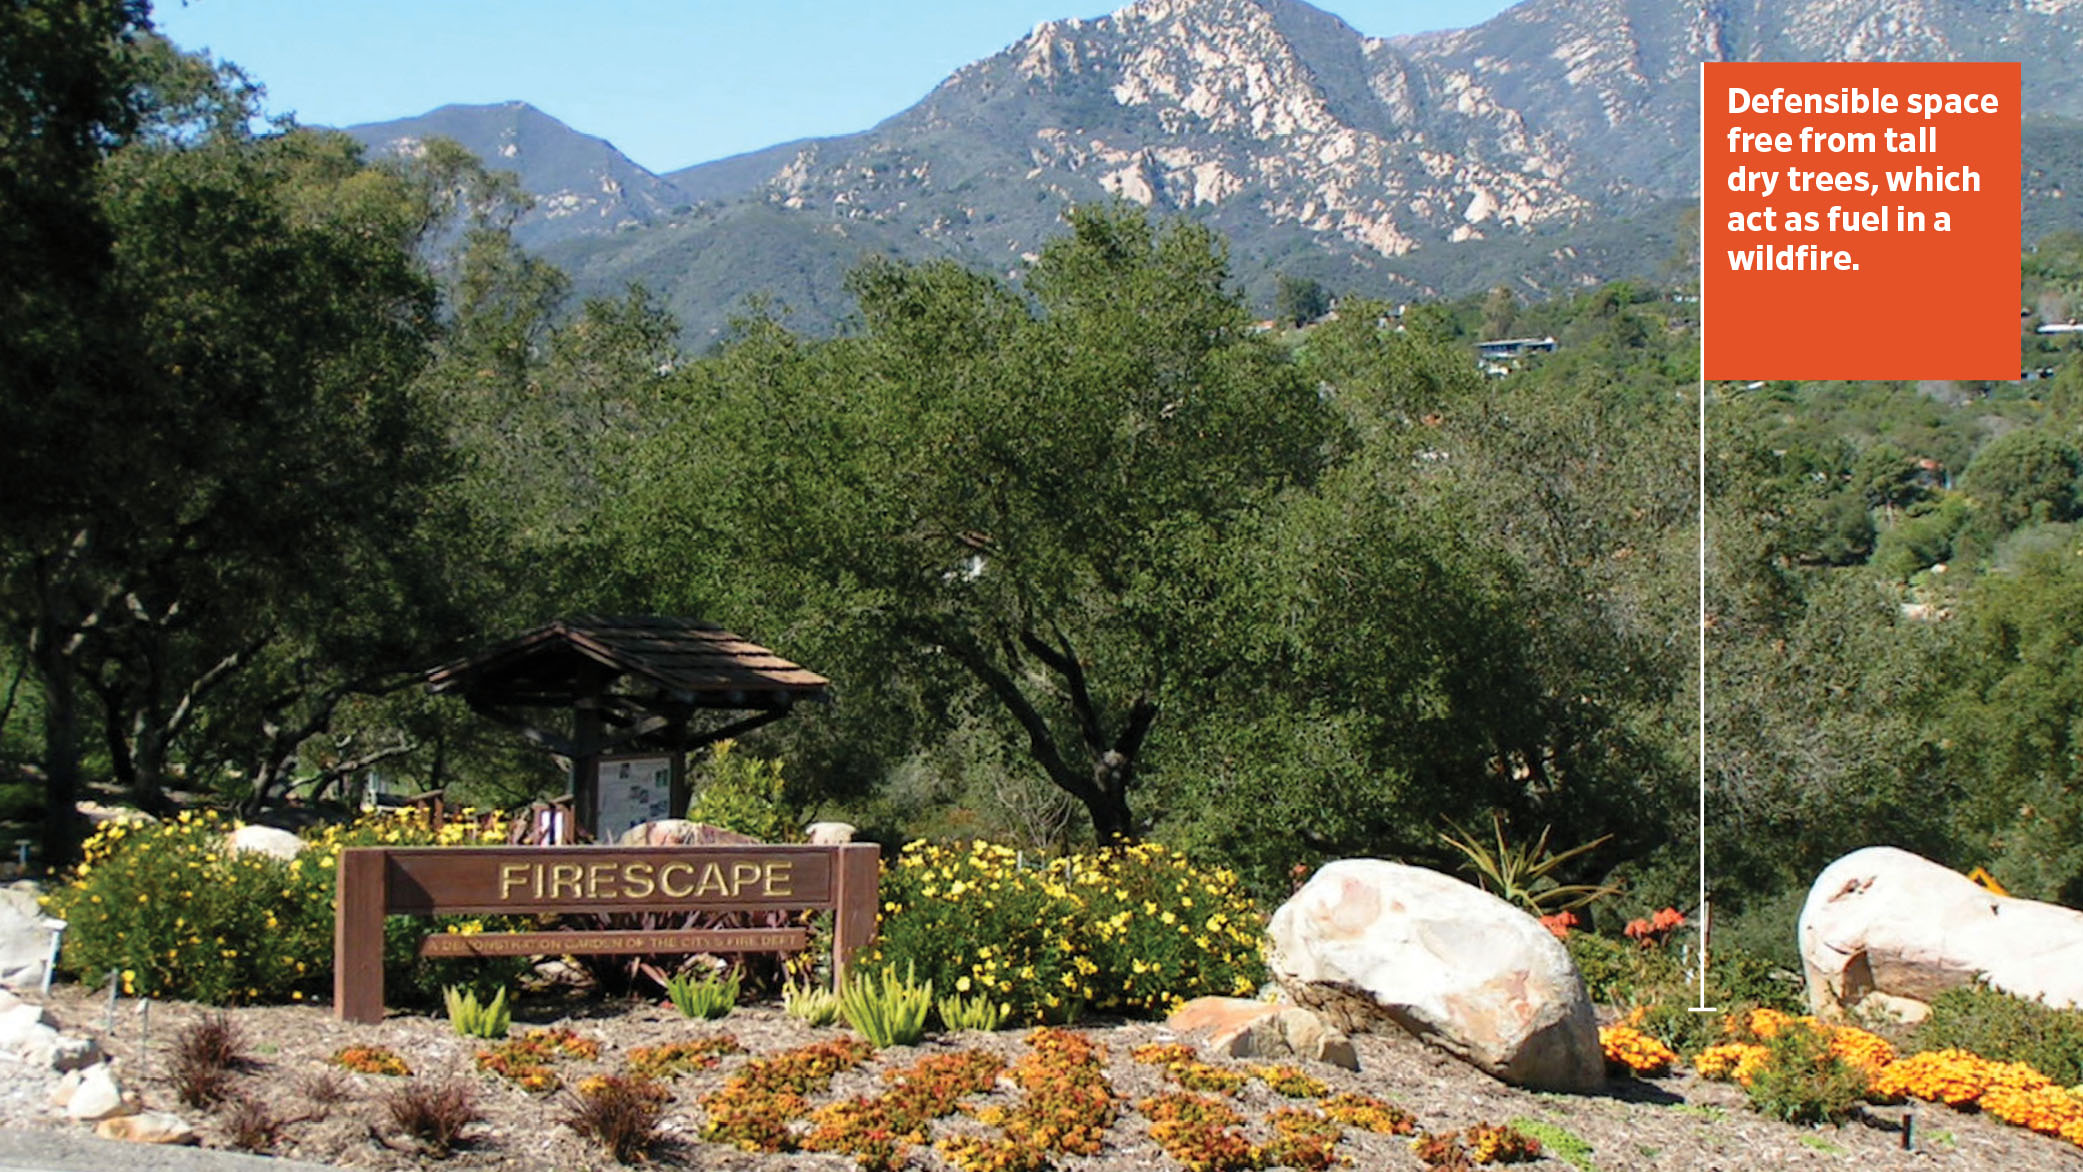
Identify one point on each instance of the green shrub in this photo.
(2004, 1028)
(1135, 930)
(176, 914)
(888, 1011)
(1801, 1081)
(746, 794)
(474, 1019)
(703, 998)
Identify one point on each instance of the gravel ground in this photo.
(1676, 1123)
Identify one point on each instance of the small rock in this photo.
(829, 833)
(265, 840)
(150, 1127)
(61, 1095)
(97, 1096)
(28, 1034)
(71, 1052)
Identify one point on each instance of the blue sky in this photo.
(670, 83)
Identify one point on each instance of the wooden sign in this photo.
(379, 881)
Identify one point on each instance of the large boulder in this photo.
(681, 832)
(265, 840)
(1367, 941)
(1886, 930)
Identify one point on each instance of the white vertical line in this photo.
(1700, 241)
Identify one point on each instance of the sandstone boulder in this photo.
(97, 1095)
(681, 832)
(1887, 930)
(265, 840)
(1240, 1028)
(1367, 941)
(149, 1127)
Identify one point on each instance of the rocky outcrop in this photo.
(1369, 943)
(25, 936)
(1886, 930)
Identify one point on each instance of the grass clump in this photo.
(433, 1114)
(251, 1127)
(205, 1056)
(620, 1112)
(886, 1009)
(705, 998)
(2004, 1028)
(474, 1019)
(1559, 1142)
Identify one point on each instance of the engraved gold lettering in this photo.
(565, 877)
(742, 874)
(712, 880)
(665, 880)
(636, 880)
(512, 875)
(779, 878)
(600, 880)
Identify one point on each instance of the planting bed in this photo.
(1680, 1122)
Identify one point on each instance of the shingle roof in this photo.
(692, 663)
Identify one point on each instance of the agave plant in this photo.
(1524, 875)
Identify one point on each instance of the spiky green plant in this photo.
(1524, 875)
(887, 1010)
(474, 1019)
(811, 1004)
(707, 997)
(971, 1013)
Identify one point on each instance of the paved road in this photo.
(25, 1149)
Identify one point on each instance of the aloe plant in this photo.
(810, 1004)
(971, 1013)
(888, 1011)
(1524, 875)
(707, 997)
(473, 1019)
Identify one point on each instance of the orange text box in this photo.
(1859, 220)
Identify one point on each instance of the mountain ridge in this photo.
(1394, 166)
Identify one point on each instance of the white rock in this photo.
(150, 1127)
(97, 1096)
(29, 1035)
(1367, 941)
(25, 937)
(829, 833)
(61, 1095)
(1889, 930)
(265, 840)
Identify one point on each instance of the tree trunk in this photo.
(62, 826)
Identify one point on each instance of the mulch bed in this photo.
(1680, 1122)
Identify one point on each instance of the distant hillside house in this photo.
(1507, 349)
(2062, 327)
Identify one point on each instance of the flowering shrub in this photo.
(1656, 930)
(370, 1060)
(1067, 1108)
(176, 914)
(525, 1061)
(1998, 1025)
(1135, 930)
(674, 1058)
(755, 1106)
(1630, 1051)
